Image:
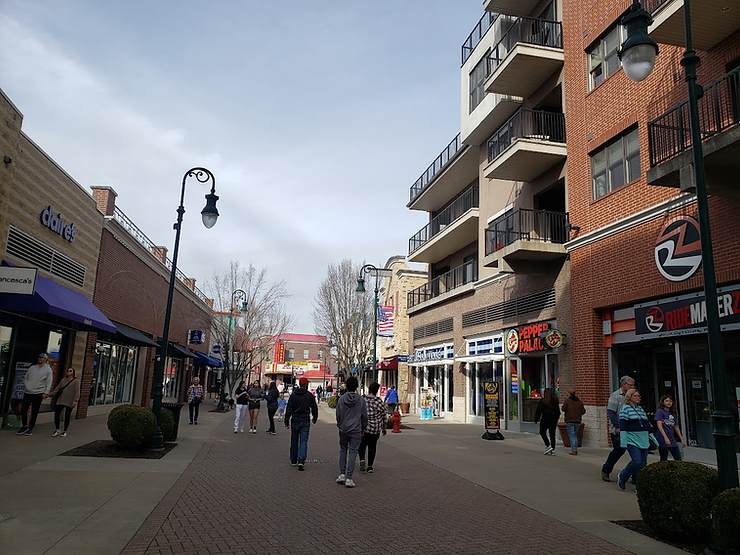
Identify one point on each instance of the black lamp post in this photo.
(638, 59)
(239, 294)
(366, 269)
(209, 215)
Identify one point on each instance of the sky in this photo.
(315, 118)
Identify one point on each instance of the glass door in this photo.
(698, 393)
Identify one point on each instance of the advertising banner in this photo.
(492, 406)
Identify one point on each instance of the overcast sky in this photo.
(316, 117)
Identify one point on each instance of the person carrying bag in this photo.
(64, 397)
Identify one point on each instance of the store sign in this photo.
(686, 314)
(431, 355)
(19, 281)
(57, 224)
(216, 349)
(678, 248)
(279, 356)
(493, 406)
(533, 338)
(195, 337)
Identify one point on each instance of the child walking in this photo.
(282, 402)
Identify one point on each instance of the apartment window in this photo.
(477, 80)
(305, 354)
(291, 354)
(321, 354)
(602, 56)
(615, 164)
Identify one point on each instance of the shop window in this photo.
(602, 56)
(615, 164)
(114, 372)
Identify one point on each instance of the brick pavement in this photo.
(241, 496)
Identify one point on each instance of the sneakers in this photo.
(236, 432)
(22, 431)
(349, 483)
(369, 469)
(190, 423)
(273, 433)
(552, 452)
(29, 432)
(548, 451)
(620, 483)
(300, 466)
(341, 479)
(362, 465)
(293, 463)
(63, 434)
(605, 476)
(55, 434)
(254, 430)
(574, 453)
(196, 422)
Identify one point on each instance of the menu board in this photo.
(492, 406)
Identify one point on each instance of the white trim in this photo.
(499, 213)
(652, 213)
(481, 358)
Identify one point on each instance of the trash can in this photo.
(175, 408)
(566, 438)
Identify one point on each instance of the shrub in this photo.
(675, 499)
(131, 426)
(167, 423)
(331, 402)
(726, 521)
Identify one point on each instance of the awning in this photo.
(129, 336)
(56, 299)
(390, 363)
(201, 358)
(178, 351)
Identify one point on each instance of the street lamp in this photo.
(209, 215)
(638, 58)
(366, 269)
(239, 294)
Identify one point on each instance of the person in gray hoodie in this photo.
(351, 420)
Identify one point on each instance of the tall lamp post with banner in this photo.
(209, 215)
(638, 55)
(367, 269)
(238, 294)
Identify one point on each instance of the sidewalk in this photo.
(437, 488)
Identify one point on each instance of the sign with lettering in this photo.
(20, 281)
(56, 223)
(533, 338)
(686, 314)
(195, 337)
(492, 405)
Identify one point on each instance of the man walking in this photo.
(36, 384)
(302, 409)
(391, 399)
(351, 420)
(616, 400)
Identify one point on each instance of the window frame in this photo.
(477, 91)
(606, 165)
(599, 48)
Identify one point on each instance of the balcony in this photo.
(510, 7)
(449, 231)
(477, 34)
(455, 282)
(526, 240)
(711, 22)
(450, 173)
(529, 52)
(669, 139)
(528, 144)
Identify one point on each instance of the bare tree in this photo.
(250, 323)
(344, 315)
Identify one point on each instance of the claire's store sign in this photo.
(533, 338)
(56, 223)
(686, 314)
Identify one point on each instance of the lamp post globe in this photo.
(638, 51)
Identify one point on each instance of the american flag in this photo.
(385, 321)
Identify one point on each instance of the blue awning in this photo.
(201, 358)
(53, 298)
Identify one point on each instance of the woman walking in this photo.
(376, 421)
(255, 396)
(547, 414)
(195, 398)
(242, 400)
(668, 430)
(573, 410)
(272, 405)
(68, 394)
(634, 432)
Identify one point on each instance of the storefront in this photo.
(663, 345)
(434, 379)
(483, 362)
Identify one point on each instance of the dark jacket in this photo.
(573, 409)
(548, 413)
(301, 407)
(351, 414)
(272, 399)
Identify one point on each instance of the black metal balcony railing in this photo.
(527, 124)
(467, 200)
(457, 277)
(652, 5)
(527, 30)
(527, 224)
(439, 163)
(477, 34)
(719, 109)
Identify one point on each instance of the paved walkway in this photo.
(437, 489)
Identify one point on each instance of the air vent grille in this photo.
(510, 309)
(36, 253)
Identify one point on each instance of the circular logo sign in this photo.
(654, 319)
(512, 341)
(553, 338)
(678, 248)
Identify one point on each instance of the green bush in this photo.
(331, 402)
(131, 426)
(726, 521)
(675, 499)
(167, 424)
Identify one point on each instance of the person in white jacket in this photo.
(36, 384)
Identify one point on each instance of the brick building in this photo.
(297, 355)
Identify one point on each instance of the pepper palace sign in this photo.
(533, 338)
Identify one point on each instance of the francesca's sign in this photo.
(533, 338)
(686, 314)
(20, 281)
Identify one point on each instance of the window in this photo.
(305, 354)
(291, 354)
(477, 79)
(615, 164)
(320, 354)
(602, 56)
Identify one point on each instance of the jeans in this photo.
(614, 455)
(271, 417)
(573, 435)
(194, 409)
(369, 441)
(638, 462)
(675, 451)
(348, 446)
(299, 441)
(58, 413)
(241, 412)
(545, 429)
(32, 400)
